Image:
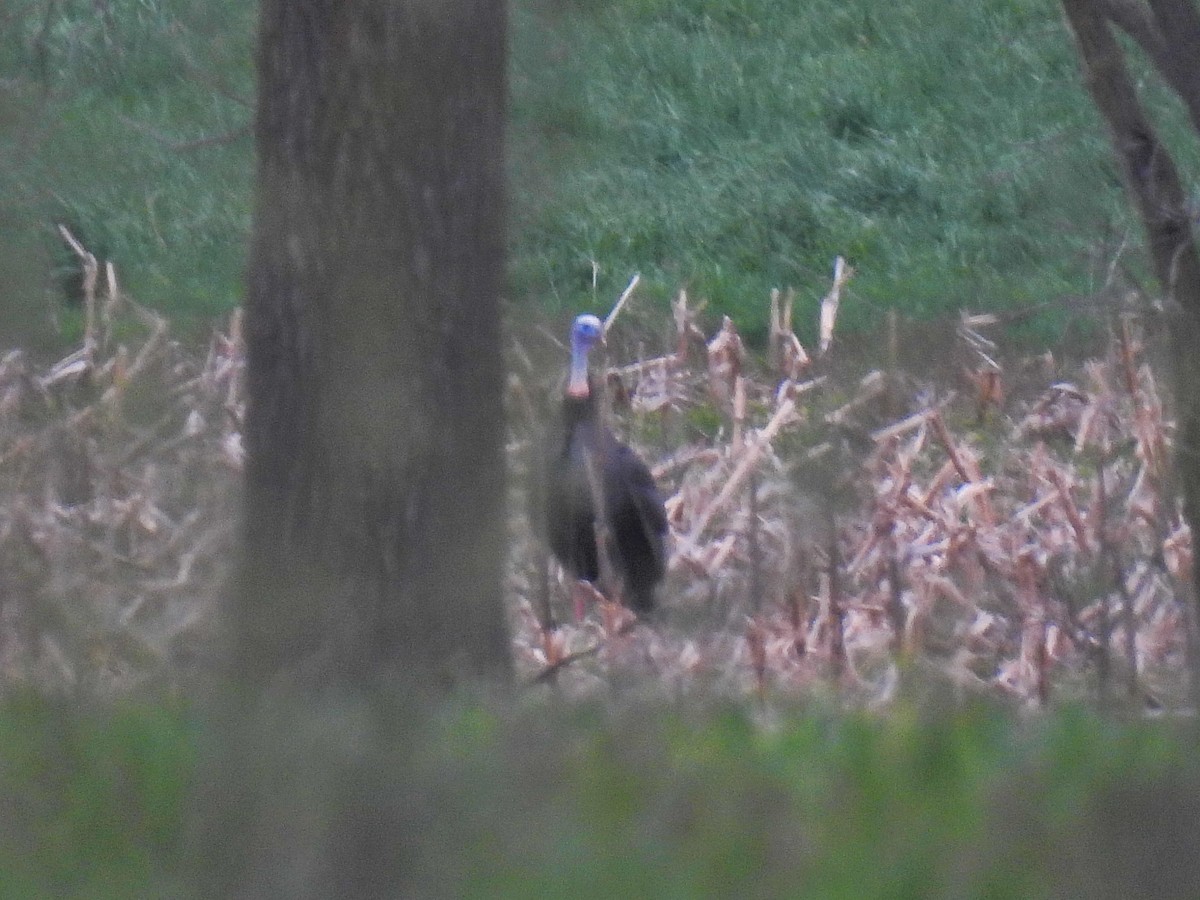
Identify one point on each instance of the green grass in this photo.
(596, 803)
(91, 800)
(947, 150)
(101, 110)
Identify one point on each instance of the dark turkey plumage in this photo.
(629, 499)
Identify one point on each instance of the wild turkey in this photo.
(630, 503)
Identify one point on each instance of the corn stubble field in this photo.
(1012, 534)
(905, 526)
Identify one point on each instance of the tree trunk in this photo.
(1154, 184)
(374, 488)
(1168, 31)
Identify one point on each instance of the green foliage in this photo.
(948, 151)
(113, 106)
(594, 802)
(91, 801)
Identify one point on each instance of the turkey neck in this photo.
(581, 418)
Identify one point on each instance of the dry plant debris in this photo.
(1019, 546)
(1009, 546)
(118, 466)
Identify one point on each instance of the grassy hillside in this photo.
(946, 150)
(727, 145)
(107, 118)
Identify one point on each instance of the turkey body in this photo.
(631, 505)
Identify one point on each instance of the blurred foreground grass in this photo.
(549, 801)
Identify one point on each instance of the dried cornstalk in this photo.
(686, 329)
(725, 356)
(754, 451)
(829, 305)
(837, 604)
(788, 356)
(621, 301)
(91, 272)
(964, 464)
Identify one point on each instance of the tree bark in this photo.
(1153, 182)
(1169, 35)
(373, 535)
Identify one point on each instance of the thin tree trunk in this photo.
(1168, 35)
(1153, 182)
